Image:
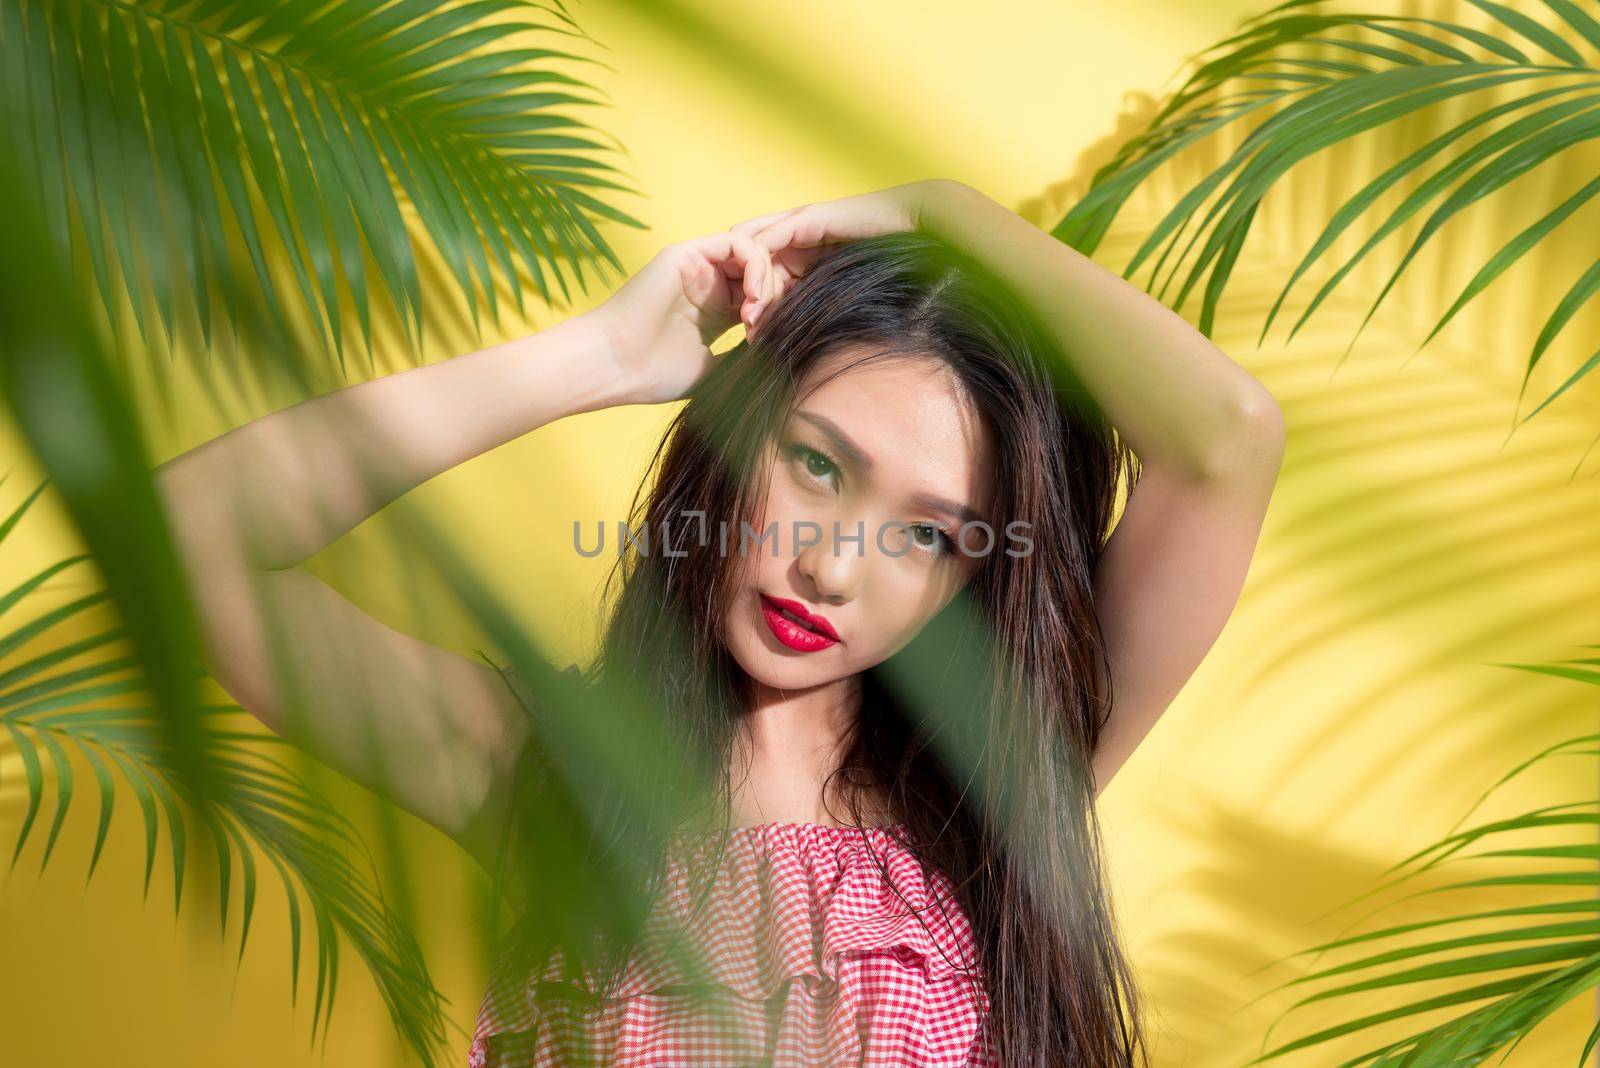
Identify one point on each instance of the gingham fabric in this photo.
(813, 960)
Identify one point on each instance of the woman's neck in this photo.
(786, 746)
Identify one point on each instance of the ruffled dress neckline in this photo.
(797, 828)
(817, 944)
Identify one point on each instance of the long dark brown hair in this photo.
(977, 735)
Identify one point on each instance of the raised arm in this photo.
(431, 730)
(1209, 438)
(423, 726)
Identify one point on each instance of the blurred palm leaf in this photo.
(173, 751)
(253, 159)
(161, 136)
(1308, 80)
(1533, 960)
(55, 702)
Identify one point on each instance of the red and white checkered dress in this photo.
(813, 960)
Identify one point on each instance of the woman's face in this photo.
(891, 451)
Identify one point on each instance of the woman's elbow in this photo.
(1254, 443)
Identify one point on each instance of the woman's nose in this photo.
(834, 564)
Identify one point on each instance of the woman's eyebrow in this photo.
(943, 504)
(841, 441)
(857, 456)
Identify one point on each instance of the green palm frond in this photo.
(68, 405)
(55, 704)
(1526, 964)
(253, 164)
(1303, 80)
(166, 138)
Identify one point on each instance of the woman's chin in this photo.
(769, 663)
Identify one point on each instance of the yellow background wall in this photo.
(1348, 715)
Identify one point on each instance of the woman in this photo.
(889, 725)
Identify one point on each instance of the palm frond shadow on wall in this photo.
(1412, 154)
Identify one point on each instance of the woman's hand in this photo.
(660, 325)
(795, 238)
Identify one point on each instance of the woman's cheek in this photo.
(893, 633)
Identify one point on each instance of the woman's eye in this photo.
(932, 539)
(814, 463)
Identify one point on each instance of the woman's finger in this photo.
(801, 229)
(760, 287)
(739, 259)
(761, 222)
(747, 268)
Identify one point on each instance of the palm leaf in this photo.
(75, 415)
(67, 402)
(258, 806)
(1564, 944)
(162, 137)
(1317, 79)
(171, 750)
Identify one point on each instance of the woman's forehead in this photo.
(905, 420)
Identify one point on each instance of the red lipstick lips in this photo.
(795, 627)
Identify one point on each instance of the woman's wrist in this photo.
(607, 380)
